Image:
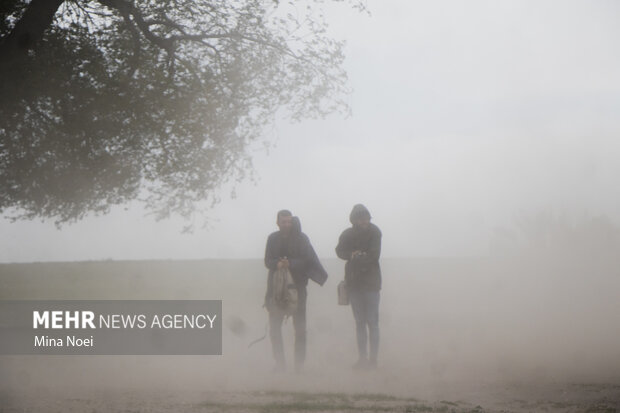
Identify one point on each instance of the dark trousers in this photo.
(365, 306)
(276, 318)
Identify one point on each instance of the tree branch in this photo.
(29, 29)
(132, 15)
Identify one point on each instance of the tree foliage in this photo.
(104, 102)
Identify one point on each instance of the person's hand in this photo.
(355, 254)
(283, 263)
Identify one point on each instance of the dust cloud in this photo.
(449, 327)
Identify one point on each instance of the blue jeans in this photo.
(365, 306)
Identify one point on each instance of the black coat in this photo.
(304, 264)
(362, 273)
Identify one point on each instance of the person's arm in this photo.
(271, 257)
(298, 264)
(316, 272)
(374, 250)
(344, 249)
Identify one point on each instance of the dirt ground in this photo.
(456, 336)
(459, 398)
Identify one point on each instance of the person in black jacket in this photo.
(290, 248)
(360, 246)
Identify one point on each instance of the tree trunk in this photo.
(29, 29)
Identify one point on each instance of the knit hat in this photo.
(358, 211)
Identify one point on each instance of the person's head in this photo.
(285, 221)
(360, 217)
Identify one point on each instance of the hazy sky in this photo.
(464, 113)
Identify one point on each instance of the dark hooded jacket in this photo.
(362, 273)
(304, 264)
(314, 268)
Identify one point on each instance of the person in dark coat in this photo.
(290, 248)
(360, 246)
